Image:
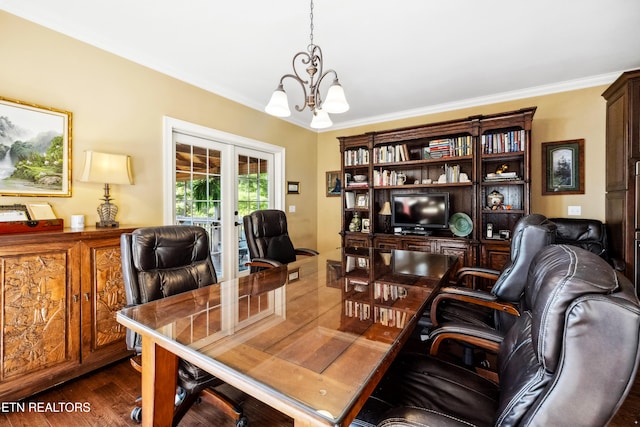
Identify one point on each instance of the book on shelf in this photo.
(504, 176)
(448, 147)
(356, 157)
(391, 153)
(354, 184)
(349, 199)
(503, 142)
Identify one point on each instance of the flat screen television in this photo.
(419, 213)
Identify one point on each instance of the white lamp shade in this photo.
(336, 102)
(321, 120)
(107, 168)
(278, 104)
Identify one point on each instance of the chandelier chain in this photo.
(311, 23)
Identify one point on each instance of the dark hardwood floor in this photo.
(108, 397)
(111, 393)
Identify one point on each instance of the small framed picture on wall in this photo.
(293, 187)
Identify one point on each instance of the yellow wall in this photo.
(578, 114)
(118, 106)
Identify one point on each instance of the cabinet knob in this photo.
(75, 298)
(86, 296)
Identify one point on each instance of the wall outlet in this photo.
(575, 210)
(292, 208)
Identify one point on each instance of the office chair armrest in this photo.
(263, 263)
(484, 273)
(471, 296)
(479, 336)
(306, 252)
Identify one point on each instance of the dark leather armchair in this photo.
(495, 310)
(589, 234)
(158, 262)
(268, 240)
(570, 359)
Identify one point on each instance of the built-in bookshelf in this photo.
(469, 159)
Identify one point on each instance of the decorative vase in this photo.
(356, 222)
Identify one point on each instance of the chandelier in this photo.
(311, 62)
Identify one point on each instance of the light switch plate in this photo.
(575, 210)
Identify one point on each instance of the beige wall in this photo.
(578, 114)
(118, 106)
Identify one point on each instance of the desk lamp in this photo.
(108, 169)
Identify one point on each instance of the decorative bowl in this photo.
(360, 178)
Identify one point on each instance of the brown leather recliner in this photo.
(158, 262)
(268, 240)
(569, 360)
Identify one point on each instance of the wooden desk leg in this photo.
(159, 376)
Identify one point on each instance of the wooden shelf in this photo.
(502, 131)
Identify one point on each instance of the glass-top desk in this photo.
(311, 339)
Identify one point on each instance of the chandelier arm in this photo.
(317, 87)
(302, 85)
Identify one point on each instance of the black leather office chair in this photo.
(268, 240)
(498, 307)
(569, 360)
(158, 262)
(589, 234)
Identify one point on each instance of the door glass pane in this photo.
(253, 194)
(198, 194)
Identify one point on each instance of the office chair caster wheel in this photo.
(242, 422)
(136, 414)
(180, 395)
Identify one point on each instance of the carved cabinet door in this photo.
(103, 338)
(40, 314)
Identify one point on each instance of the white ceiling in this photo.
(394, 59)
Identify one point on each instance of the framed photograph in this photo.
(35, 150)
(366, 225)
(362, 201)
(333, 184)
(293, 187)
(563, 167)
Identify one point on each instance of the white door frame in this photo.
(171, 125)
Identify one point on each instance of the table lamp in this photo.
(108, 169)
(386, 213)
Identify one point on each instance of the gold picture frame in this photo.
(293, 187)
(333, 184)
(38, 141)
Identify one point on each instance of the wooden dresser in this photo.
(60, 292)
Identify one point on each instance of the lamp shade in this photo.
(336, 102)
(278, 104)
(321, 120)
(107, 168)
(386, 209)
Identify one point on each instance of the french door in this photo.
(216, 180)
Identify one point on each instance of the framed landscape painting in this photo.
(563, 167)
(35, 150)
